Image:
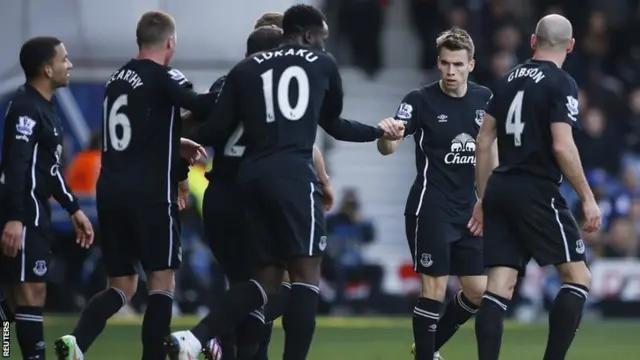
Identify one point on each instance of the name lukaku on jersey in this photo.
(303, 53)
(463, 148)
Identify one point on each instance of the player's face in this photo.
(454, 66)
(58, 69)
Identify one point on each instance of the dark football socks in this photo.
(275, 307)
(156, 324)
(94, 317)
(299, 320)
(30, 332)
(248, 335)
(6, 314)
(263, 347)
(228, 346)
(489, 325)
(458, 311)
(272, 311)
(425, 324)
(564, 319)
(229, 310)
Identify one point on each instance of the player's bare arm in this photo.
(486, 153)
(387, 146)
(566, 153)
(486, 161)
(323, 177)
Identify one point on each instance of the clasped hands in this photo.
(393, 129)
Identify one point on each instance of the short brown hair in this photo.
(456, 39)
(270, 18)
(264, 38)
(154, 27)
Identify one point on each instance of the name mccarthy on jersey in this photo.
(127, 75)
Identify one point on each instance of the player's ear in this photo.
(308, 37)
(533, 42)
(572, 43)
(472, 65)
(48, 71)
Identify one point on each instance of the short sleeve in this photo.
(564, 102)
(408, 112)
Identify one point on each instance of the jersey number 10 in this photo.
(514, 125)
(282, 86)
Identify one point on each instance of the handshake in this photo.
(393, 129)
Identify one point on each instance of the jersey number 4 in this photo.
(282, 86)
(514, 125)
(113, 118)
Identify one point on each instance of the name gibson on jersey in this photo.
(268, 55)
(536, 74)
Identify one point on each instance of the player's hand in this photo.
(12, 238)
(83, 228)
(183, 194)
(393, 130)
(191, 150)
(592, 215)
(475, 225)
(327, 191)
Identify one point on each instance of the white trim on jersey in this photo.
(34, 159)
(173, 114)
(424, 188)
(313, 220)
(64, 188)
(415, 245)
(567, 254)
(23, 255)
(424, 172)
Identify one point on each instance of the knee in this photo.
(305, 270)
(30, 294)
(502, 281)
(128, 285)
(575, 273)
(163, 280)
(473, 288)
(433, 287)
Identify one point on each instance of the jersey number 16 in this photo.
(282, 86)
(113, 117)
(514, 125)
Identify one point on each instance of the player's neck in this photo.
(152, 55)
(459, 92)
(555, 58)
(293, 40)
(43, 87)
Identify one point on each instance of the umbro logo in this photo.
(442, 118)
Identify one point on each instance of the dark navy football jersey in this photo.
(527, 100)
(444, 129)
(274, 101)
(141, 133)
(226, 160)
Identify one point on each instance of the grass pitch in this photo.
(376, 339)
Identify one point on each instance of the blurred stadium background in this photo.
(385, 48)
